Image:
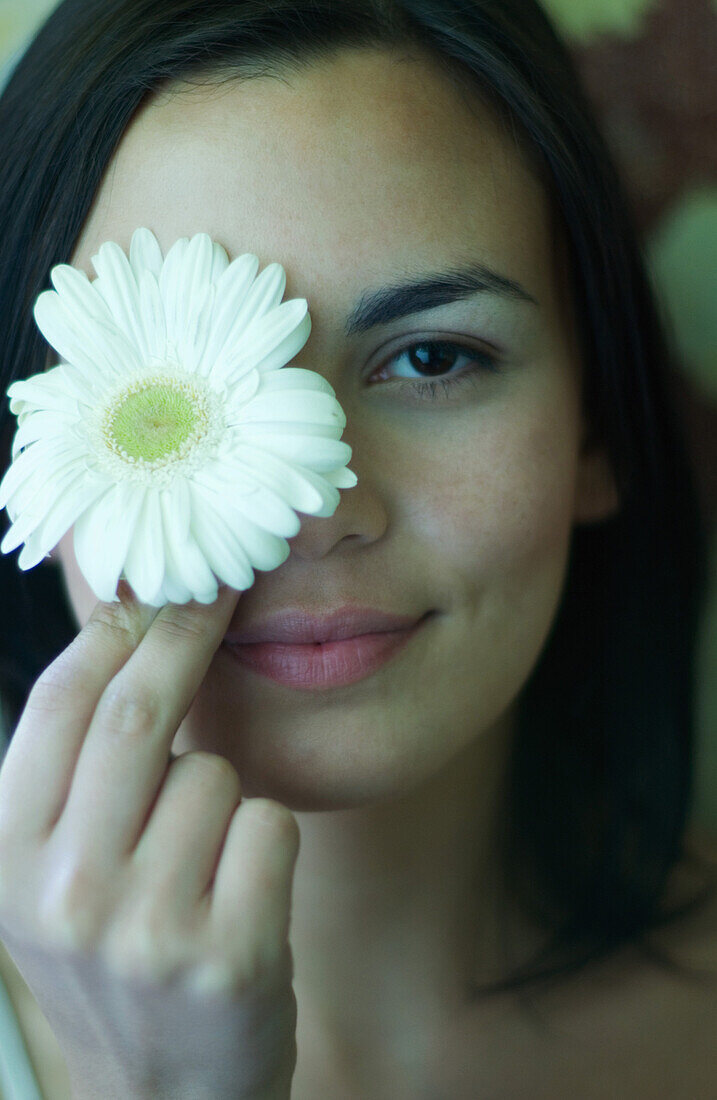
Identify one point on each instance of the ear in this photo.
(596, 495)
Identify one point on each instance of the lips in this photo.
(310, 653)
(294, 626)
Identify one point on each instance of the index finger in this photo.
(125, 753)
(41, 758)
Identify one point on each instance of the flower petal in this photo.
(145, 253)
(80, 295)
(144, 565)
(198, 262)
(343, 478)
(33, 552)
(99, 354)
(330, 497)
(263, 295)
(231, 291)
(41, 425)
(172, 590)
(31, 502)
(271, 344)
(58, 388)
(187, 575)
(223, 547)
(262, 549)
(241, 391)
(117, 284)
(193, 290)
(197, 329)
(35, 461)
(268, 510)
(69, 504)
(170, 284)
(286, 381)
(89, 316)
(176, 502)
(254, 431)
(185, 561)
(314, 452)
(45, 498)
(154, 322)
(185, 282)
(265, 550)
(302, 489)
(282, 477)
(33, 506)
(103, 534)
(260, 503)
(220, 261)
(295, 378)
(291, 409)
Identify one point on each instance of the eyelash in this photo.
(428, 390)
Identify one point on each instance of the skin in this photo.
(351, 174)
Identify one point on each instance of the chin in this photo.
(312, 762)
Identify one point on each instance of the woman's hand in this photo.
(146, 905)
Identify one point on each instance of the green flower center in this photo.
(155, 420)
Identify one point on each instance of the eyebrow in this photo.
(388, 303)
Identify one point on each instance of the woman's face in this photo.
(364, 171)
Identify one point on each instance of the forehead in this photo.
(348, 169)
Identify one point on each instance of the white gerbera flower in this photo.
(172, 435)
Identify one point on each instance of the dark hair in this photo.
(601, 773)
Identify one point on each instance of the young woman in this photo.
(459, 871)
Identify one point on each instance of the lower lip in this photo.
(323, 664)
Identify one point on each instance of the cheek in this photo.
(501, 501)
(499, 536)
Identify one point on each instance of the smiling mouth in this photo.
(312, 666)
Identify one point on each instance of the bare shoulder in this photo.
(642, 1023)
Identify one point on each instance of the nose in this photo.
(361, 518)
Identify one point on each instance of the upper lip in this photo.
(294, 625)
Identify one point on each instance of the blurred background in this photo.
(650, 67)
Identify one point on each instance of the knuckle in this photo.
(70, 910)
(125, 709)
(215, 976)
(59, 682)
(111, 623)
(259, 957)
(137, 959)
(141, 947)
(242, 973)
(180, 624)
